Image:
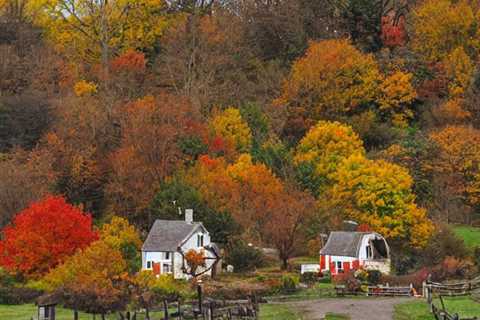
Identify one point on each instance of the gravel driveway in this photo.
(357, 309)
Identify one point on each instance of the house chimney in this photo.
(189, 215)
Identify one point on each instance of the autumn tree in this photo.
(457, 164)
(440, 27)
(92, 280)
(25, 177)
(395, 97)
(294, 209)
(379, 194)
(331, 79)
(230, 126)
(245, 189)
(96, 32)
(321, 150)
(44, 235)
(124, 237)
(152, 129)
(208, 59)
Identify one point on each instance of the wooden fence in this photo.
(387, 291)
(463, 288)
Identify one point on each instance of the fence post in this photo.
(165, 306)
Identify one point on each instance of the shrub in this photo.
(453, 268)
(243, 257)
(416, 279)
(442, 244)
(349, 281)
(476, 256)
(309, 277)
(374, 277)
(14, 295)
(289, 284)
(326, 277)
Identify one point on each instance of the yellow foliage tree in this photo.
(93, 31)
(451, 112)
(379, 194)
(230, 125)
(396, 94)
(459, 70)
(324, 147)
(441, 26)
(333, 77)
(84, 88)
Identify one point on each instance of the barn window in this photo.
(167, 255)
(369, 251)
(339, 266)
(149, 264)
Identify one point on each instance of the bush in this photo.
(348, 279)
(326, 277)
(243, 257)
(443, 243)
(309, 277)
(416, 279)
(289, 284)
(14, 295)
(374, 277)
(453, 268)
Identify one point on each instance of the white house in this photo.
(345, 251)
(167, 242)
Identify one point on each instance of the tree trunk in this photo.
(75, 314)
(103, 316)
(284, 263)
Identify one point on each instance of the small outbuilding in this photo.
(46, 306)
(345, 251)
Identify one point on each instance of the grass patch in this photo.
(274, 311)
(333, 316)
(470, 235)
(419, 310)
(28, 311)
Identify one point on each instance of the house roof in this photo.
(343, 243)
(168, 235)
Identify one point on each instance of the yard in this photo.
(470, 235)
(418, 310)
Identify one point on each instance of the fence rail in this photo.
(388, 291)
(461, 288)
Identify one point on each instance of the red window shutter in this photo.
(322, 262)
(332, 268)
(156, 268)
(355, 264)
(346, 267)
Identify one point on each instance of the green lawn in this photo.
(418, 310)
(274, 311)
(27, 311)
(470, 235)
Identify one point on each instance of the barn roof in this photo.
(343, 243)
(168, 235)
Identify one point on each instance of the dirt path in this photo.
(356, 309)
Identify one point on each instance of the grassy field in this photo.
(273, 311)
(27, 311)
(418, 310)
(331, 316)
(470, 235)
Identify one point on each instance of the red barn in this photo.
(345, 251)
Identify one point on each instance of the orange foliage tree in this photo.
(44, 235)
(152, 128)
(458, 164)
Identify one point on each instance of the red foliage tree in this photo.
(393, 33)
(43, 235)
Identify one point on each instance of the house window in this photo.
(149, 264)
(167, 255)
(200, 240)
(369, 252)
(167, 268)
